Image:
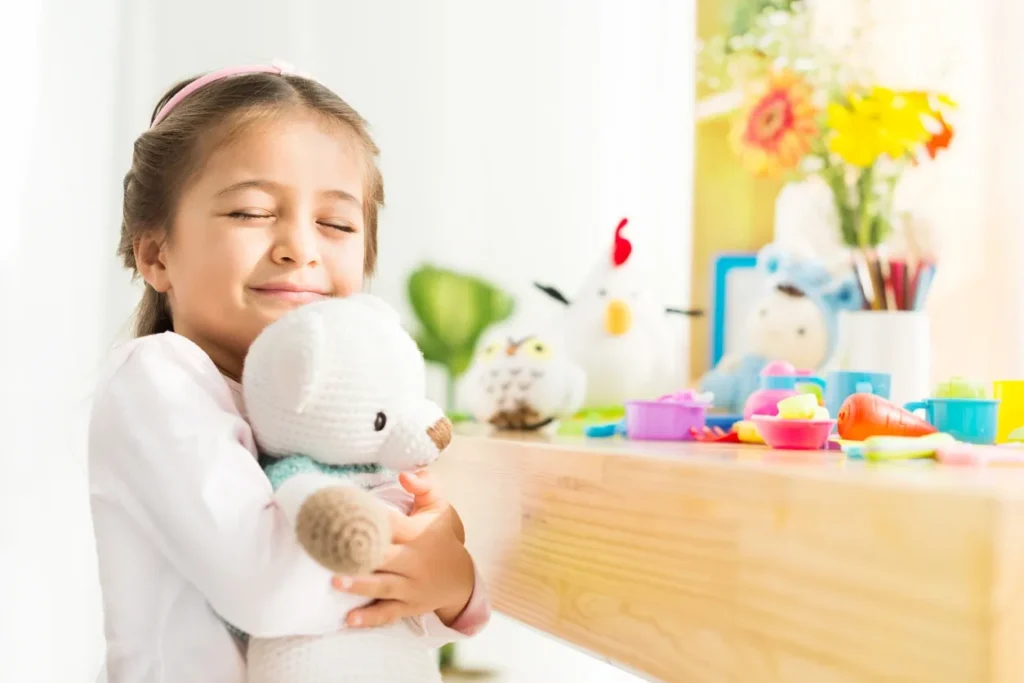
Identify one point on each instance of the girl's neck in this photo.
(228, 360)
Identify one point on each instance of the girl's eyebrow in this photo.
(269, 186)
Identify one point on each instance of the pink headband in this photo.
(203, 81)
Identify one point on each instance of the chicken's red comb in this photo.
(622, 249)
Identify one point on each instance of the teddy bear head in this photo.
(796, 317)
(341, 382)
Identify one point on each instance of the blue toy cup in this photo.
(971, 420)
(842, 384)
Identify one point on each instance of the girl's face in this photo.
(272, 220)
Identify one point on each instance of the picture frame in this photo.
(736, 283)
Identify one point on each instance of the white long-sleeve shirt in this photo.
(186, 530)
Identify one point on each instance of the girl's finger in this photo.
(379, 586)
(422, 486)
(380, 613)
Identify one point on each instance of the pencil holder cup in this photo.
(897, 343)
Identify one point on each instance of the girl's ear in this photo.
(771, 259)
(844, 294)
(149, 260)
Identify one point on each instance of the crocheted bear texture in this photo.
(388, 654)
(345, 529)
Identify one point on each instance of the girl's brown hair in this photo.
(167, 154)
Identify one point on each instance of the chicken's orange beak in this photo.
(618, 319)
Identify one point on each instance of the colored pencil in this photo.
(897, 278)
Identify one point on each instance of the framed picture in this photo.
(736, 283)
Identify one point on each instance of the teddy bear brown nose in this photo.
(441, 433)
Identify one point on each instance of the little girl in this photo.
(254, 191)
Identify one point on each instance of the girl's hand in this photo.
(426, 569)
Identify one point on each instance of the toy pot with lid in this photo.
(779, 380)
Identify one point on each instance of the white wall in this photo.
(513, 135)
(524, 130)
(58, 192)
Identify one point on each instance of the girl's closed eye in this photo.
(341, 226)
(249, 215)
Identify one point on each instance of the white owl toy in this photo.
(523, 382)
(335, 395)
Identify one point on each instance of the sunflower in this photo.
(777, 126)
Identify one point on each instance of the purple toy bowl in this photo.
(664, 420)
(795, 435)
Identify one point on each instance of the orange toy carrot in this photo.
(864, 415)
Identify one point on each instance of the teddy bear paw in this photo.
(345, 529)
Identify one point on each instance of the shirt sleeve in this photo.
(169, 447)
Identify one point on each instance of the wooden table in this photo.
(711, 563)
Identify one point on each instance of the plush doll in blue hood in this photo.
(795, 320)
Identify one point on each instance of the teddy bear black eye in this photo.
(602, 292)
(801, 331)
(378, 424)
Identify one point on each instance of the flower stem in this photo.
(865, 208)
(834, 176)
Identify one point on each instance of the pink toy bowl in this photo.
(665, 419)
(797, 435)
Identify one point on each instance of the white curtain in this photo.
(513, 137)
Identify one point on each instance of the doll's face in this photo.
(787, 325)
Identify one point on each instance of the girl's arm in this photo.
(168, 446)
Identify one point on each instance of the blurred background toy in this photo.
(674, 417)
(795, 320)
(523, 382)
(779, 380)
(865, 415)
(453, 310)
(618, 332)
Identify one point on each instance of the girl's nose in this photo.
(295, 243)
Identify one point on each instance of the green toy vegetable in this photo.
(453, 310)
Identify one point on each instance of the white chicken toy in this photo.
(618, 333)
(523, 381)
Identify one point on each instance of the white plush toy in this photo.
(795, 319)
(618, 331)
(523, 381)
(335, 394)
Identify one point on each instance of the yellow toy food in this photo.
(799, 407)
(747, 432)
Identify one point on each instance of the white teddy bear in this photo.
(335, 395)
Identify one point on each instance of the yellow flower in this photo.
(777, 126)
(881, 122)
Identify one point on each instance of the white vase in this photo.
(895, 342)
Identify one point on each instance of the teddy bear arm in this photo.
(340, 525)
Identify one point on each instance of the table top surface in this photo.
(724, 563)
(1000, 481)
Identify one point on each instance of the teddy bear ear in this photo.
(844, 294)
(376, 303)
(771, 259)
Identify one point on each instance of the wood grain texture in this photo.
(720, 564)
